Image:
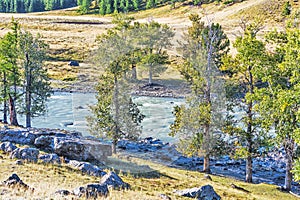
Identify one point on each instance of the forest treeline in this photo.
(24, 6)
(104, 6)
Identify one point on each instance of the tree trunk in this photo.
(249, 169)
(12, 111)
(116, 121)
(206, 165)
(28, 109)
(5, 106)
(114, 146)
(249, 145)
(28, 93)
(249, 130)
(289, 150)
(150, 74)
(133, 72)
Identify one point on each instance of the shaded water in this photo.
(69, 111)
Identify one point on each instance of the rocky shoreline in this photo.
(87, 154)
(141, 88)
(268, 169)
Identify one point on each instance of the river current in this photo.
(69, 110)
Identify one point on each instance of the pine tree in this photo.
(199, 123)
(279, 102)
(251, 57)
(115, 115)
(153, 38)
(136, 4)
(35, 82)
(116, 2)
(10, 71)
(102, 7)
(150, 4)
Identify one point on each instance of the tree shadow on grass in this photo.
(133, 169)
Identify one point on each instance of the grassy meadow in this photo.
(46, 179)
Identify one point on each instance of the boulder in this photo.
(80, 191)
(188, 162)
(113, 180)
(44, 143)
(81, 149)
(63, 192)
(7, 147)
(19, 162)
(164, 197)
(28, 154)
(87, 168)
(18, 136)
(50, 158)
(14, 180)
(73, 63)
(204, 193)
(93, 190)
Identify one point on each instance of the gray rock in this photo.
(14, 180)
(73, 63)
(7, 147)
(87, 168)
(19, 162)
(93, 190)
(208, 193)
(28, 154)
(204, 193)
(164, 197)
(44, 143)
(113, 180)
(80, 191)
(19, 137)
(63, 192)
(50, 158)
(81, 149)
(183, 161)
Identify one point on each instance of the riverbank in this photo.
(148, 159)
(160, 88)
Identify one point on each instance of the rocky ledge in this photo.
(68, 145)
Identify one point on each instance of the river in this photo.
(69, 110)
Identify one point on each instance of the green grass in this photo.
(159, 179)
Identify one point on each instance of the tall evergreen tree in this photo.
(279, 101)
(115, 114)
(153, 39)
(10, 71)
(199, 123)
(36, 85)
(251, 57)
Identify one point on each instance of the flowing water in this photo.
(69, 111)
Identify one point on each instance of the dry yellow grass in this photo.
(46, 179)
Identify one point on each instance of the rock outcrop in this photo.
(69, 145)
(7, 147)
(86, 168)
(203, 193)
(17, 136)
(81, 149)
(113, 180)
(93, 190)
(28, 154)
(50, 158)
(14, 180)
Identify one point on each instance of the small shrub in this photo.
(287, 9)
